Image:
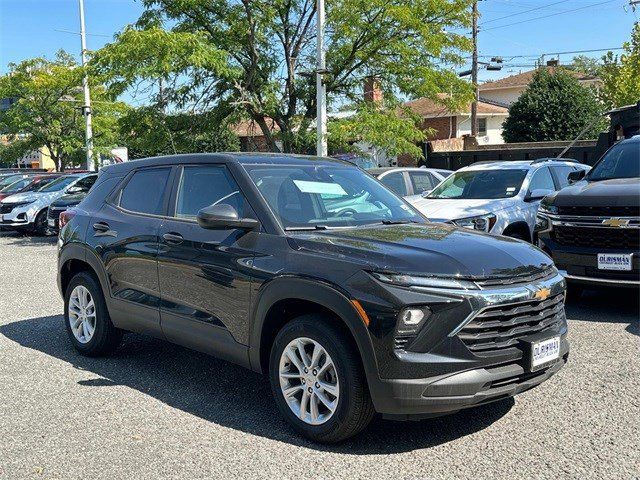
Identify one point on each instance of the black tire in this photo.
(354, 410)
(574, 292)
(519, 236)
(106, 336)
(40, 223)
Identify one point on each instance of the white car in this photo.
(409, 182)
(27, 211)
(497, 197)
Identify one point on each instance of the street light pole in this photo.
(321, 91)
(474, 72)
(86, 108)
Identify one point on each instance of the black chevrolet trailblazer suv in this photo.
(592, 228)
(309, 270)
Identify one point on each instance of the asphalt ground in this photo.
(156, 410)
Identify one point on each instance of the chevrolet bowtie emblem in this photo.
(615, 222)
(542, 294)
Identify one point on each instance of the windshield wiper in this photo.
(306, 229)
(397, 222)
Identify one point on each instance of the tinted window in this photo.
(542, 179)
(58, 184)
(203, 186)
(562, 172)
(144, 192)
(621, 161)
(481, 184)
(86, 183)
(395, 181)
(421, 181)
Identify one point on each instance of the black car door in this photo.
(204, 274)
(124, 233)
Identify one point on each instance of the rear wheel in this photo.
(318, 381)
(87, 319)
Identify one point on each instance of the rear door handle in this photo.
(174, 238)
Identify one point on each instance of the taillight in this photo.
(66, 216)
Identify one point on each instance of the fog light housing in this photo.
(411, 317)
(410, 321)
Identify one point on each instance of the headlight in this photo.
(484, 223)
(547, 209)
(542, 223)
(428, 282)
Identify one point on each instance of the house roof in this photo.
(250, 128)
(523, 79)
(426, 107)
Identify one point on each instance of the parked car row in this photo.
(26, 198)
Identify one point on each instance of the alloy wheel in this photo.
(82, 314)
(309, 381)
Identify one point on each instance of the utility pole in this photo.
(86, 108)
(474, 72)
(321, 90)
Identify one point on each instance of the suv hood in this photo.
(603, 193)
(30, 197)
(429, 249)
(444, 210)
(69, 200)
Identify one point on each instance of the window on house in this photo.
(482, 127)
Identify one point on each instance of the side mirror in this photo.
(72, 190)
(537, 194)
(222, 217)
(576, 176)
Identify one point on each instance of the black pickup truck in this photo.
(592, 227)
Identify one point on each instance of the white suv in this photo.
(497, 197)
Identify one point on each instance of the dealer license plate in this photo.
(614, 261)
(52, 222)
(544, 351)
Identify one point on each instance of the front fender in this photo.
(323, 293)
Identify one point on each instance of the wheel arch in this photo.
(519, 227)
(285, 298)
(75, 258)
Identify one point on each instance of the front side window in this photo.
(395, 181)
(621, 161)
(202, 186)
(542, 180)
(481, 184)
(84, 184)
(144, 192)
(327, 196)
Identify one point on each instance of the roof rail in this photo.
(551, 159)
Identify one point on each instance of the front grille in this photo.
(500, 327)
(605, 238)
(54, 213)
(608, 211)
(8, 207)
(515, 279)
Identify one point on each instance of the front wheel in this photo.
(40, 223)
(318, 381)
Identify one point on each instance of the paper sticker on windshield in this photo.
(511, 189)
(319, 187)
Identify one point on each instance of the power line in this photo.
(547, 16)
(522, 13)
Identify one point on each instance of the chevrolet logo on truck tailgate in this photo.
(615, 222)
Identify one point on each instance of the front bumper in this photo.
(20, 216)
(439, 371)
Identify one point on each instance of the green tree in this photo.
(620, 75)
(148, 132)
(553, 107)
(588, 65)
(255, 59)
(46, 112)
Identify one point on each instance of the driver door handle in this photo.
(173, 238)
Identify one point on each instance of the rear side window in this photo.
(144, 192)
(395, 182)
(421, 181)
(201, 186)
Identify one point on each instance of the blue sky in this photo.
(30, 28)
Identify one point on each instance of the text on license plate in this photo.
(545, 351)
(614, 261)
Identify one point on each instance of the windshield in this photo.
(39, 183)
(318, 196)
(481, 184)
(621, 161)
(58, 184)
(16, 186)
(5, 181)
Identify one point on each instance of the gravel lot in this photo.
(160, 411)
